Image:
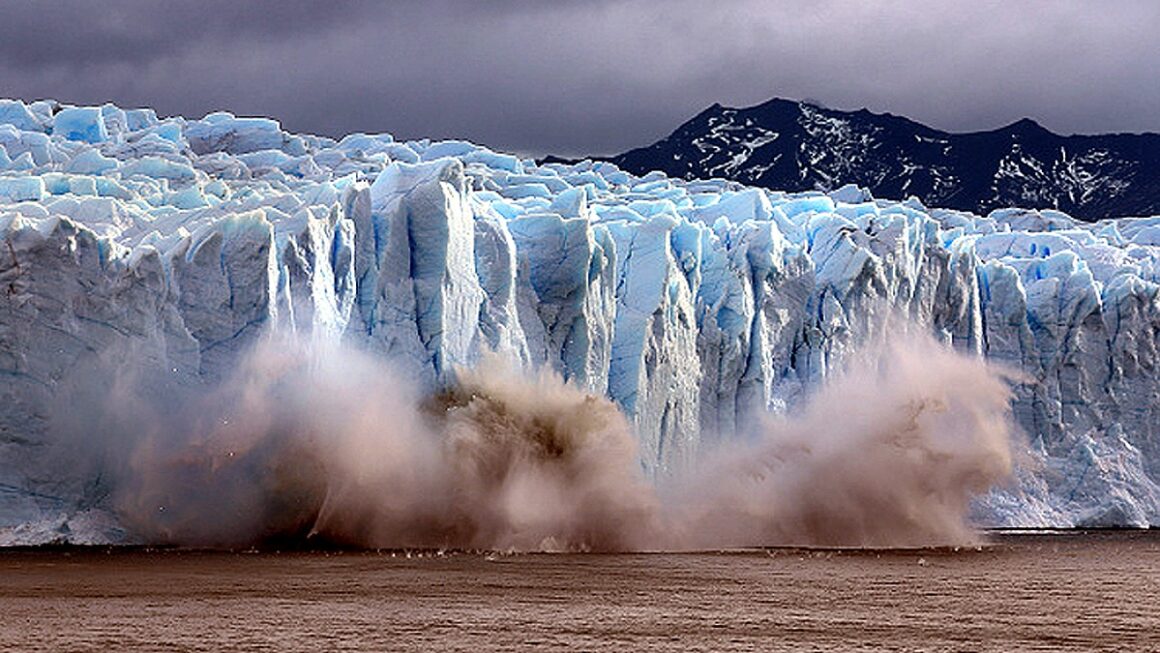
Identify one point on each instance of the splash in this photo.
(304, 443)
(889, 453)
(512, 463)
(319, 444)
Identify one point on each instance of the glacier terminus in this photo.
(695, 305)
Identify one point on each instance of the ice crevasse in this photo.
(694, 305)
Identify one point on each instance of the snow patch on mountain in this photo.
(800, 146)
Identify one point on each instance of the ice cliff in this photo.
(694, 305)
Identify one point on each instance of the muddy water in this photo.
(1061, 592)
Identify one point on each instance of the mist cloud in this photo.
(311, 444)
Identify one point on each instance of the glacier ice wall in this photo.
(695, 305)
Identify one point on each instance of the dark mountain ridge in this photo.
(797, 146)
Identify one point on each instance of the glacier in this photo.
(696, 306)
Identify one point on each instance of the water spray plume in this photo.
(888, 453)
(319, 444)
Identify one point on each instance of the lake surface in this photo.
(1081, 592)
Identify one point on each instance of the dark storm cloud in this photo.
(591, 76)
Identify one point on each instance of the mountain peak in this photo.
(779, 145)
(1026, 125)
(773, 103)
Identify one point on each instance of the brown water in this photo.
(1088, 592)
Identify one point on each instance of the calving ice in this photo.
(176, 247)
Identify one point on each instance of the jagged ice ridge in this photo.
(694, 305)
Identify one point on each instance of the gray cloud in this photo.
(590, 76)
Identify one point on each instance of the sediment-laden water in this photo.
(1082, 592)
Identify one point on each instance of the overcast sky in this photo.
(590, 76)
